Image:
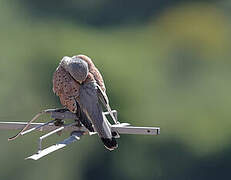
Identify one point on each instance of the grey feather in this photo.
(89, 102)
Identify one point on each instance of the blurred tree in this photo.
(101, 12)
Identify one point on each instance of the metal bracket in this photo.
(75, 135)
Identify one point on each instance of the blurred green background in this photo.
(165, 63)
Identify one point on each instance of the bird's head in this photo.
(77, 67)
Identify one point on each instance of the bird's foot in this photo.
(59, 122)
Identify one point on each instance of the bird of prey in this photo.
(80, 88)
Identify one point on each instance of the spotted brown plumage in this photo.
(66, 88)
(77, 81)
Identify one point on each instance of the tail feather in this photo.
(110, 144)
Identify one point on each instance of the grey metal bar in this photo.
(48, 127)
(135, 130)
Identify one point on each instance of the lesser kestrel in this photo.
(80, 87)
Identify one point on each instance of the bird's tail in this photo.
(110, 143)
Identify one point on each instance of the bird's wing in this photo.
(98, 77)
(93, 71)
(66, 88)
(104, 99)
(88, 100)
